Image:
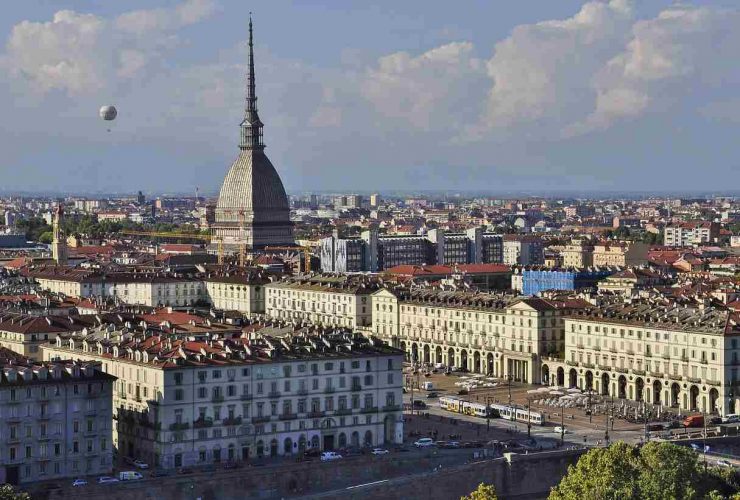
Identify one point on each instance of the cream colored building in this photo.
(243, 293)
(620, 254)
(183, 402)
(577, 254)
(501, 335)
(683, 356)
(149, 289)
(322, 300)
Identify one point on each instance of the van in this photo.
(424, 443)
(731, 419)
(129, 475)
(428, 386)
(694, 421)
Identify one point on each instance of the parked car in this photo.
(731, 419)
(424, 443)
(462, 392)
(432, 395)
(140, 464)
(129, 475)
(724, 463)
(329, 456)
(79, 482)
(379, 451)
(560, 430)
(312, 453)
(107, 479)
(419, 404)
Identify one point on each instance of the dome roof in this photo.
(252, 185)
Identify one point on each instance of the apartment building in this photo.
(523, 250)
(578, 254)
(322, 300)
(149, 289)
(620, 254)
(181, 402)
(55, 419)
(243, 292)
(690, 233)
(682, 355)
(375, 252)
(498, 334)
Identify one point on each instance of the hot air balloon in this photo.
(108, 113)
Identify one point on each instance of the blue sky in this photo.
(499, 96)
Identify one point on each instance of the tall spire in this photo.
(251, 126)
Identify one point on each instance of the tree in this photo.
(46, 237)
(482, 492)
(8, 493)
(602, 473)
(656, 471)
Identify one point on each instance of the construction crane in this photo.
(157, 234)
(306, 254)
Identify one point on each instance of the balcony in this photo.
(619, 369)
(356, 388)
(343, 411)
(261, 420)
(648, 354)
(392, 408)
(217, 398)
(639, 372)
(288, 416)
(714, 382)
(571, 363)
(704, 361)
(694, 380)
(369, 409)
(302, 392)
(656, 374)
(179, 426)
(13, 420)
(316, 414)
(665, 356)
(685, 359)
(202, 423)
(674, 377)
(630, 352)
(588, 365)
(232, 421)
(329, 390)
(273, 394)
(246, 397)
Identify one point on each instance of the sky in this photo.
(490, 96)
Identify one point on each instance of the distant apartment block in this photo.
(374, 252)
(523, 250)
(690, 233)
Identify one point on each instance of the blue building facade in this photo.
(535, 281)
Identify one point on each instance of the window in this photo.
(216, 373)
(178, 378)
(179, 395)
(368, 380)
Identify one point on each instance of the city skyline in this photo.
(581, 96)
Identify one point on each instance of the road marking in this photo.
(367, 484)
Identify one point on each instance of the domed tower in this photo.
(252, 208)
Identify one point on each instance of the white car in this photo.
(107, 479)
(379, 451)
(79, 482)
(328, 456)
(561, 430)
(724, 463)
(424, 443)
(140, 464)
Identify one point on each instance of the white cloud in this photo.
(82, 53)
(423, 91)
